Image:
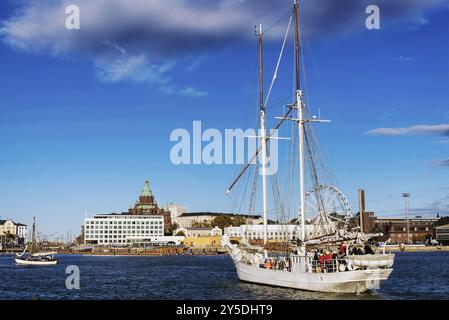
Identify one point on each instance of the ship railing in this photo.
(284, 265)
(327, 266)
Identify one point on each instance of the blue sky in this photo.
(86, 118)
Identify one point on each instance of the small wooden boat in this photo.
(35, 258)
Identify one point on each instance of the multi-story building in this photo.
(121, 228)
(22, 230)
(194, 219)
(419, 228)
(22, 233)
(175, 210)
(277, 232)
(12, 232)
(8, 227)
(442, 234)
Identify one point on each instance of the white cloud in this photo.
(136, 68)
(403, 59)
(190, 91)
(439, 129)
(197, 61)
(186, 91)
(143, 36)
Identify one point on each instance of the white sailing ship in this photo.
(33, 258)
(324, 221)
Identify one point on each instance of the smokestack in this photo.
(361, 207)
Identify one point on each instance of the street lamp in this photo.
(406, 195)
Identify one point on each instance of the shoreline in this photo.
(412, 248)
(212, 252)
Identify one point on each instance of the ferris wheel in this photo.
(326, 210)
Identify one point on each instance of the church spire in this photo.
(146, 192)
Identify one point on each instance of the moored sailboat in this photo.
(33, 257)
(302, 266)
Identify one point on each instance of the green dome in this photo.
(146, 189)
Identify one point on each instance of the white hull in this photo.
(300, 276)
(36, 262)
(339, 282)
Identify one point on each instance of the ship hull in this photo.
(36, 262)
(337, 282)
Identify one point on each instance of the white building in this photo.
(442, 234)
(22, 230)
(121, 228)
(192, 219)
(15, 232)
(199, 232)
(7, 227)
(162, 240)
(175, 210)
(274, 232)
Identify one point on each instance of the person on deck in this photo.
(368, 249)
(321, 261)
(342, 251)
(267, 264)
(315, 261)
(328, 261)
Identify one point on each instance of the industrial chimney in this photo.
(361, 208)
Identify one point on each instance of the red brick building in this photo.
(396, 228)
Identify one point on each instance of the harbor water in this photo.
(416, 275)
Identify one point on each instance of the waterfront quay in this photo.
(182, 250)
(415, 248)
(145, 251)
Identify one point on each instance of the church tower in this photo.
(148, 205)
(146, 196)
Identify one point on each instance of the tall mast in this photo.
(295, 16)
(33, 235)
(299, 108)
(263, 138)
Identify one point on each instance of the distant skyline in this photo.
(86, 115)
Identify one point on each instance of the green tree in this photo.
(180, 234)
(197, 224)
(222, 221)
(173, 226)
(441, 222)
(238, 221)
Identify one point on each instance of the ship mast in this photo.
(263, 138)
(33, 236)
(300, 114)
